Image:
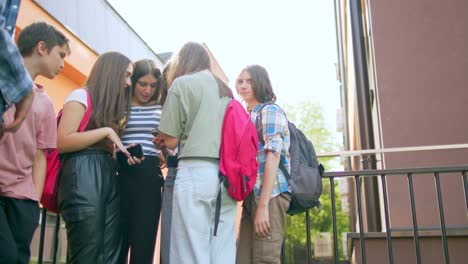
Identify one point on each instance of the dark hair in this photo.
(261, 84)
(37, 32)
(193, 57)
(109, 94)
(145, 67)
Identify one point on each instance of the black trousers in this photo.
(140, 189)
(166, 210)
(18, 221)
(89, 202)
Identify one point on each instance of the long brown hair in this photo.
(162, 83)
(109, 92)
(193, 57)
(261, 84)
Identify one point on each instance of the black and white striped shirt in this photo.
(143, 119)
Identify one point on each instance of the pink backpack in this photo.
(238, 156)
(49, 193)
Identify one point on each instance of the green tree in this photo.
(308, 117)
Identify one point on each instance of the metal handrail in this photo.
(390, 150)
(337, 174)
(383, 174)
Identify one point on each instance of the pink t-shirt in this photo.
(17, 150)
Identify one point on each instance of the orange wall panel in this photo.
(77, 65)
(81, 58)
(58, 89)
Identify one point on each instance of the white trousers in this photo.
(194, 202)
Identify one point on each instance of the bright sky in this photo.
(294, 40)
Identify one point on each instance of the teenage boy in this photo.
(23, 162)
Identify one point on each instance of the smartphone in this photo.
(136, 151)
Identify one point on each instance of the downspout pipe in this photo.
(340, 43)
(364, 107)
(342, 76)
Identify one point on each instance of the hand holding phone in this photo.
(157, 140)
(136, 151)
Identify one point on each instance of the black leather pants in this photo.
(89, 202)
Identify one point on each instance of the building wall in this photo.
(77, 65)
(421, 64)
(88, 38)
(100, 27)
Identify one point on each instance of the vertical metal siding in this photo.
(99, 27)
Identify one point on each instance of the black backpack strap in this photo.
(258, 122)
(218, 205)
(285, 171)
(172, 161)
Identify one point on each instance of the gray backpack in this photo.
(305, 179)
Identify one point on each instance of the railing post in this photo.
(387, 220)
(465, 184)
(42, 236)
(309, 244)
(361, 225)
(335, 229)
(415, 222)
(442, 218)
(56, 238)
(283, 252)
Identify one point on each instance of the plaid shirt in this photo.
(277, 140)
(15, 82)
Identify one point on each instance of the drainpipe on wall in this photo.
(344, 101)
(365, 126)
(342, 77)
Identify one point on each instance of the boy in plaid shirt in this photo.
(263, 220)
